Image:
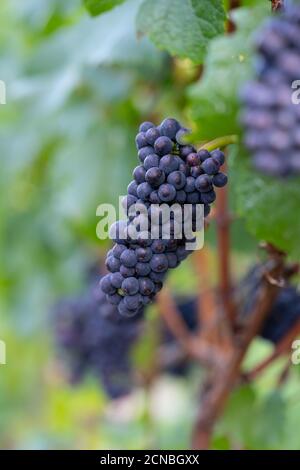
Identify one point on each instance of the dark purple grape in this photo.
(116, 279)
(125, 311)
(151, 135)
(158, 246)
(189, 184)
(112, 264)
(177, 179)
(147, 286)
(186, 150)
(144, 152)
(163, 145)
(154, 197)
(143, 254)
(196, 171)
(159, 263)
(142, 269)
(168, 164)
(155, 177)
(140, 140)
(169, 127)
(172, 260)
(145, 126)
(193, 159)
(151, 161)
(167, 192)
(210, 166)
(118, 250)
(127, 272)
(218, 156)
(107, 286)
(133, 302)
(144, 190)
(128, 258)
(204, 183)
(203, 154)
(132, 188)
(130, 286)
(208, 198)
(220, 180)
(139, 174)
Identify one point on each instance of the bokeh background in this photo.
(77, 89)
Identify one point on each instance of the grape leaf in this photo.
(97, 7)
(182, 27)
(268, 215)
(214, 99)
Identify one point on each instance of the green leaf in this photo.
(268, 205)
(182, 27)
(97, 7)
(214, 99)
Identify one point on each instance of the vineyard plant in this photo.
(145, 339)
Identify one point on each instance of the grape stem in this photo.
(220, 142)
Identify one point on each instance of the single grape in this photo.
(107, 286)
(177, 179)
(144, 152)
(169, 127)
(204, 183)
(145, 126)
(112, 264)
(152, 135)
(193, 159)
(155, 177)
(130, 286)
(116, 279)
(140, 140)
(220, 180)
(147, 286)
(142, 269)
(210, 166)
(128, 258)
(144, 190)
(159, 263)
(132, 188)
(151, 161)
(139, 174)
(167, 192)
(163, 145)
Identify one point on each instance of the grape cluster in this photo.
(270, 117)
(93, 337)
(170, 172)
(284, 313)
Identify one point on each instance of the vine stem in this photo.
(223, 221)
(216, 398)
(220, 142)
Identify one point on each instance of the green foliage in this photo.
(259, 200)
(182, 27)
(96, 7)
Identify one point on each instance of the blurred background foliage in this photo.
(77, 89)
